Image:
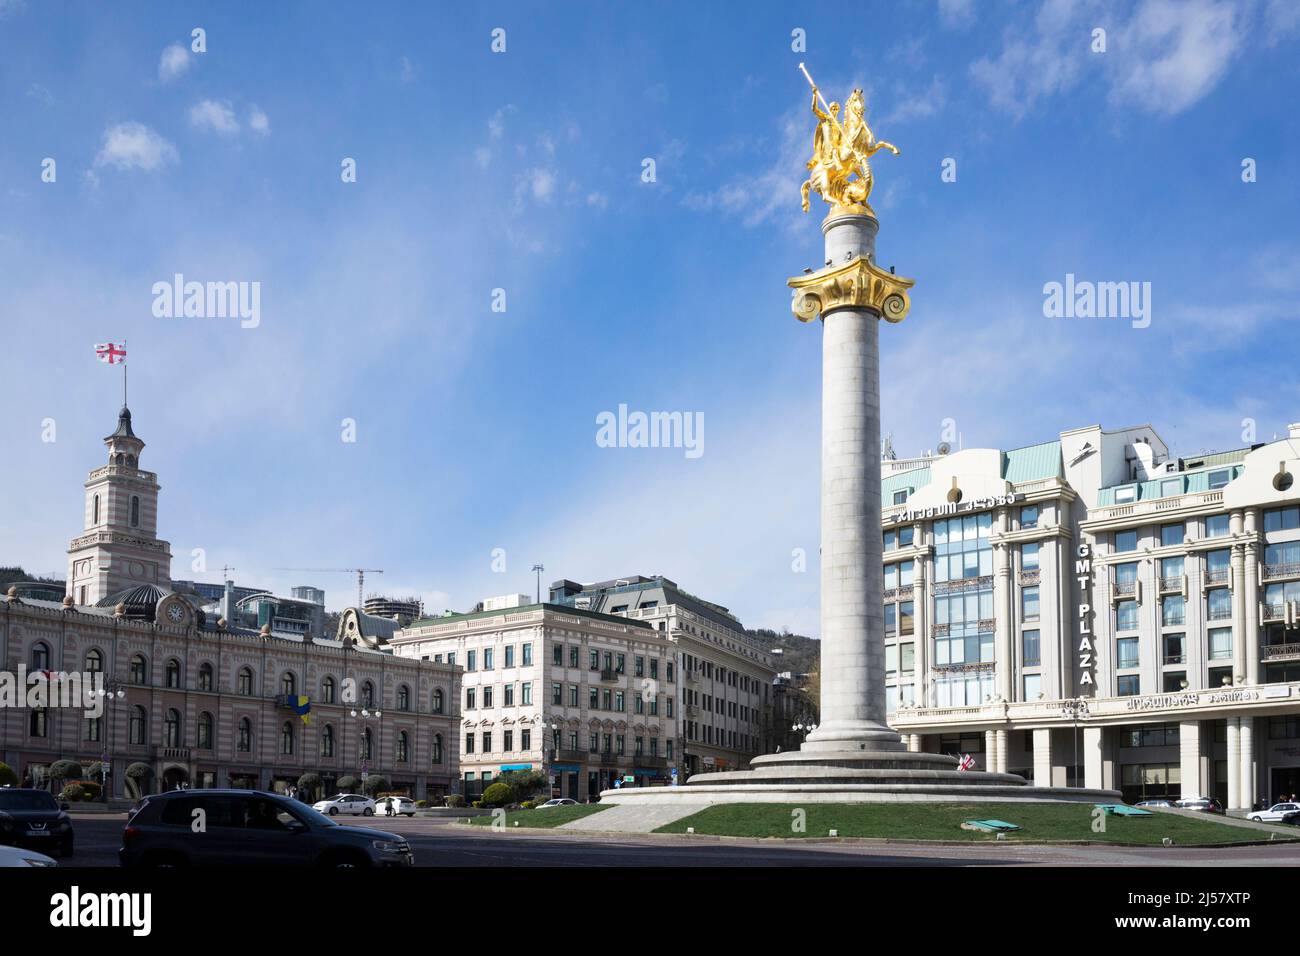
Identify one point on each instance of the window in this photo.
(288, 684)
(469, 743)
(1030, 653)
(1172, 535)
(1029, 516)
(403, 697)
(471, 660)
(327, 691)
(1172, 610)
(900, 497)
(327, 741)
(1217, 566)
(1282, 519)
(470, 697)
(1220, 478)
(891, 658)
(135, 511)
(557, 694)
(1126, 653)
(487, 696)
(1029, 603)
(245, 743)
(95, 509)
(95, 661)
(138, 724)
(205, 676)
(1171, 486)
(526, 693)
(367, 743)
(593, 698)
(528, 655)
(1174, 649)
(94, 729)
(1174, 681)
(907, 657)
(1126, 616)
(1029, 557)
(38, 724)
(525, 739)
(1221, 644)
(509, 699)
(557, 655)
(41, 656)
(1218, 602)
(438, 699)
(1171, 572)
(1033, 686)
(204, 738)
(891, 618)
(508, 741)
(488, 654)
(368, 695)
(573, 695)
(1216, 526)
(402, 753)
(1126, 493)
(286, 737)
(906, 619)
(1129, 685)
(437, 749)
(139, 670)
(1126, 541)
(574, 651)
(510, 655)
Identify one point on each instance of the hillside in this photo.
(801, 653)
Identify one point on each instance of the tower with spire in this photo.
(119, 547)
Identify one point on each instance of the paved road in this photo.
(442, 844)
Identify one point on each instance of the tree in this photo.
(62, 770)
(523, 783)
(7, 776)
(498, 794)
(309, 783)
(373, 784)
(348, 784)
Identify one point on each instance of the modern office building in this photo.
(588, 697)
(1093, 611)
(726, 694)
(200, 700)
(404, 610)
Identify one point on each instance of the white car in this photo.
(17, 856)
(1275, 813)
(558, 802)
(401, 805)
(355, 803)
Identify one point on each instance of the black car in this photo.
(249, 828)
(33, 819)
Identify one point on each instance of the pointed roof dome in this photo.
(123, 426)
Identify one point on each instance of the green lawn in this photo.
(1038, 822)
(550, 817)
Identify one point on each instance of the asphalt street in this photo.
(442, 844)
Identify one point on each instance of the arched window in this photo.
(286, 737)
(245, 744)
(40, 656)
(403, 697)
(246, 681)
(172, 728)
(94, 729)
(39, 722)
(94, 519)
(288, 684)
(403, 741)
(327, 690)
(139, 726)
(205, 676)
(366, 738)
(368, 695)
(438, 699)
(139, 670)
(135, 511)
(327, 741)
(205, 731)
(94, 661)
(173, 673)
(437, 748)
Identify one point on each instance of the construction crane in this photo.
(359, 572)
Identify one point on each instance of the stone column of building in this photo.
(1001, 741)
(1003, 616)
(1251, 596)
(1234, 763)
(924, 623)
(990, 750)
(1237, 580)
(1189, 758)
(852, 575)
(1042, 757)
(1092, 757)
(1247, 773)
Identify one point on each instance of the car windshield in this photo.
(27, 800)
(314, 816)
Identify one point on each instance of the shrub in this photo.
(421, 804)
(477, 804)
(498, 794)
(373, 784)
(7, 776)
(348, 784)
(62, 770)
(90, 789)
(310, 782)
(72, 793)
(528, 805)
(454, 800)
(139, 771)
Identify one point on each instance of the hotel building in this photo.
(1092, 611)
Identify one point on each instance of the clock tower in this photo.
(119, 547)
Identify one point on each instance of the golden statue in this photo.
(840, 152)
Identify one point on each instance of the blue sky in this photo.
(522, 170)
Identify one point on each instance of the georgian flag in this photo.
(111, 354)
(967, 762)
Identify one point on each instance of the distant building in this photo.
(404, 610)
(305, 593)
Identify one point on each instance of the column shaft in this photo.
(1042, 757)
(1001, 740)
(1189, 758)
(1234, 763)
(1247, 782)
(1092, 758)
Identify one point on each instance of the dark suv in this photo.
(249, 828)
(32, 818)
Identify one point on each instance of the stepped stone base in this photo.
(856, 776)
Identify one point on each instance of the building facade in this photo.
(193, 700)
(1091, 611)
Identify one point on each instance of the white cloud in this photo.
(598, 200)
(407, 69)
(920, 104)
(135, 146)
(1039, 61)
(258, 121)
(9, 8)
(214, 117)
(1172, 54)
(38, 92)
(542, 184)
(174, 62)
(956, 13)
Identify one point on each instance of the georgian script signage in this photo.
(1193, 699)
(1087, 654)
(956, 508)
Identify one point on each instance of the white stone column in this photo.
(1251, 598)
(990, 750)
(1001, 740)
(852, 577)
(1234, 763)
(1237, 579)
(1092, 758)
(1248, 776)
(914, 743)
(1003, 618)
(1042, 757)
(1189, 758)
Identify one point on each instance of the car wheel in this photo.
(344, 860)
(410, 813)
(333, 811)
(368, 812)
(1256, 819)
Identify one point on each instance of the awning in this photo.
(565, 767)
(516, 766)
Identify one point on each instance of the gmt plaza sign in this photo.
(955, 508)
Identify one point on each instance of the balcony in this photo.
(649, 763)
(1274, 612)
(1279, 652)
(964, 584)
(1218, 613)
(568, 756)
(1217, 575)
(894, 594)
(1028, 578)
(609, 675)
(1281, 571)
(1125, 588)
(1172, 583)
(172, 753)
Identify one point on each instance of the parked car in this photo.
(558, 802)
(249, 828)
(1203, 804)
(32, 818)
(1158, 804)
(401, 805)
(1275, 814)
(354, 803)
(18, 856)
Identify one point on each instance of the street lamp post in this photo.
(113, 691)
(364, 714)
(1076, 708)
